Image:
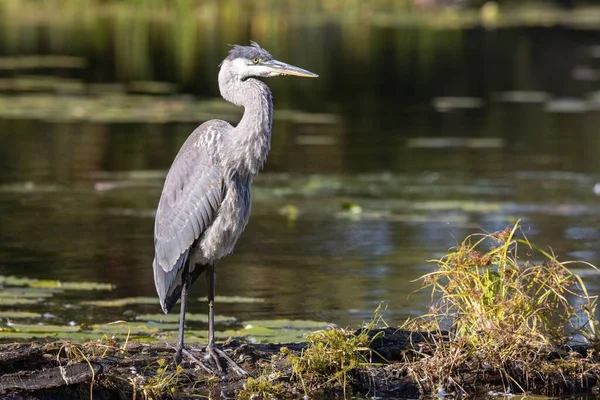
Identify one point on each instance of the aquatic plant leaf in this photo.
(18, 293)
(76, 337)
(125, 328)
(121, 302)
(287, 323)
(18, 314)
(469, 206)
(262, 334)
(39, 328)
(10, 301)
(72, 285)
(27, 187)
(234, 299)
(445, 104)
(190, 335)
(188, 317)
(52, 284)
(163, 326)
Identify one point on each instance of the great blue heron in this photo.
(205, 202)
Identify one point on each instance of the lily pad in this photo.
(18, 293)
(450, 142)
(127, 301)
(468, 206)
(275, 331)
(566, 105)
(53, 284)
(190, 336)
(189, 317)
(234, 299)
(9, 301)
(522, 97)
(73, 285)
(127, 328)
(40, 328)
(445, 104)
(75, 336)
(18, 314)
(307, 325)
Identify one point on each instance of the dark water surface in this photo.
(519, 138)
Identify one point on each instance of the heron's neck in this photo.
(250, 141)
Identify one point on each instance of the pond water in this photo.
(403, 146)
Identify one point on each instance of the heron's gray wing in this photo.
(189, 203)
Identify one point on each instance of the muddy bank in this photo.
(108, 370)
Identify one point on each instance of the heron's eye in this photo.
(255, 60)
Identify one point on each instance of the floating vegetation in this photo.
(132, 330)
(351, 210)
(27, 187)
(11, 301)
(22, 324)
(53, 284)
(315, 140)
(290, 211)
(448, 142)
(117, 185)
(467, 206)
(133, 175)
(188, 317)
(43, 328)
(521, 97)
(132, 212)
(16, 293)
(445, 104)
(567, 105)
(127, 301)
(7, 314)
(234, 299)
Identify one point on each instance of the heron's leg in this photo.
(187, 279)
(210, 279)
(211, 349)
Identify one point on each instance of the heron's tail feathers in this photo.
(170, 283)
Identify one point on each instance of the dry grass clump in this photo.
(504, 311)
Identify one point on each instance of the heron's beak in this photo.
(280, 68)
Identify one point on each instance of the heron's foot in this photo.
(178, 356)
(215, 352)
(180, 350)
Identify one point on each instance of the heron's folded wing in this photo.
(191, 197)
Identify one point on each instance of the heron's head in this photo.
(254, 61)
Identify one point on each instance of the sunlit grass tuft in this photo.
(332, 355)
(501, 306)
(163, 381)
(267, 385)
